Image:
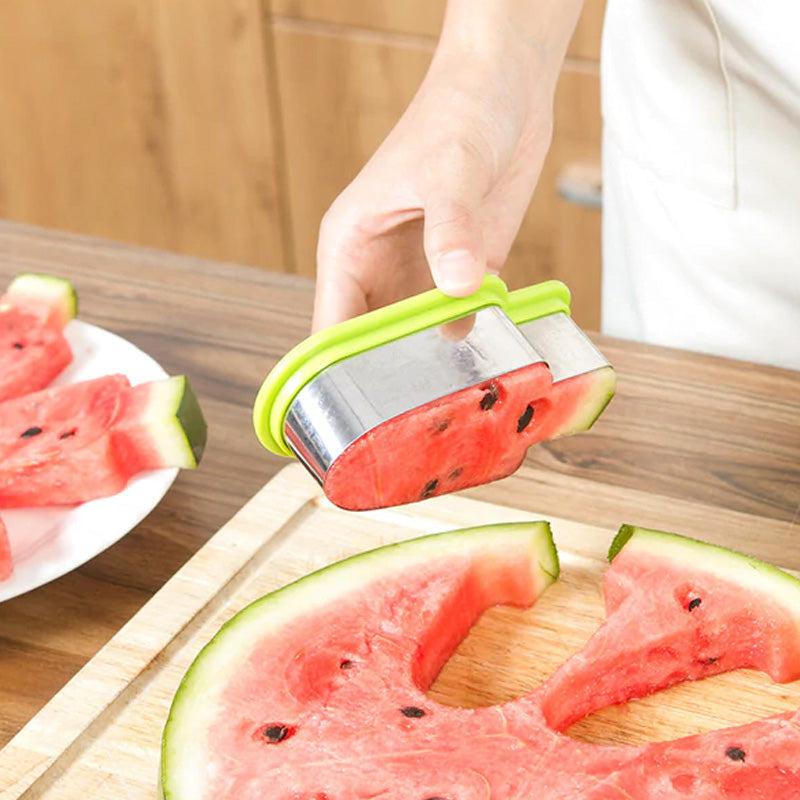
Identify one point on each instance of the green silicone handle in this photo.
(305, 361)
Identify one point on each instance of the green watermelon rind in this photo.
(52, 290)
(603, 393)
(593, 404)
(751, 573)
(318, 589)
(175, 422)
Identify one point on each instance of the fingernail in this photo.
(455, 272)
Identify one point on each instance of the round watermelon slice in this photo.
(33, 350)
(317, 691)
(78, 442)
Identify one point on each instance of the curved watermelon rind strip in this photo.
(320, 588)
(751, 573)
(54, 292)
(175, 421)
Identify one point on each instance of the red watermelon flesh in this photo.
(6, 564)
(33, 350)
(317, 691)
(86, 440)
(686, 625)
(471, 437)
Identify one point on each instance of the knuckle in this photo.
(449, 215)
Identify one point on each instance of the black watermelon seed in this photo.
(694, 603)
(67, 434)
(277, 733)
(346, 663)
(707, 662)
(430, 488)
(735, 754)
(455, 473)
(490, 398)
(524, 420)
(412, 712)
(18, 345)
(31, 432)
(441, 427)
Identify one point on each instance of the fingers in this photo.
(338, 297)
(453, 236)
(457, 329)
(454, 248)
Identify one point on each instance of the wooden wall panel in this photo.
(422, 18)
(141, 120)
(586, 41)
(224, 128)
(415, 17)
(559, 239)
(341, 94)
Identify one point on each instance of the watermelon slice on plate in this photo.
(69, 444)
(49, 541)
(33, 348)
(6, 564)
(317, 691)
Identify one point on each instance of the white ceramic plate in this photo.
(46, 543)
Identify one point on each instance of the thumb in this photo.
(453, 236)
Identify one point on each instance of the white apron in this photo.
(701, 176)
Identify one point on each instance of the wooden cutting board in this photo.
(99, 737)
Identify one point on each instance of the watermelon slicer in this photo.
(345, 382)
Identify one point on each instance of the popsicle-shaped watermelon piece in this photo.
(74, 443)
(33, 351)
(474, 436)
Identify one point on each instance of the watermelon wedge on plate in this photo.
(33, 349)
(49, 541)
(69, 444)
(318, 690)
(6, 564)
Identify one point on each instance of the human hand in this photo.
(444, 195)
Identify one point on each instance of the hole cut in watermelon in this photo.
(674, 713)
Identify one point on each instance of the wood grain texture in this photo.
(147, 122)
(692, 443)
(422, 18)
(340, 96)
(100, 736)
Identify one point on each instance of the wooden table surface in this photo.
(701, 445)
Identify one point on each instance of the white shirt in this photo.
(701, 183)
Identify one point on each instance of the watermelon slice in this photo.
(6, 564)
(73, 443)
(691, 610)
(469, 438)
(317, 691)
(33, 350)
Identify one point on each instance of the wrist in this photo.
(523, 40)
